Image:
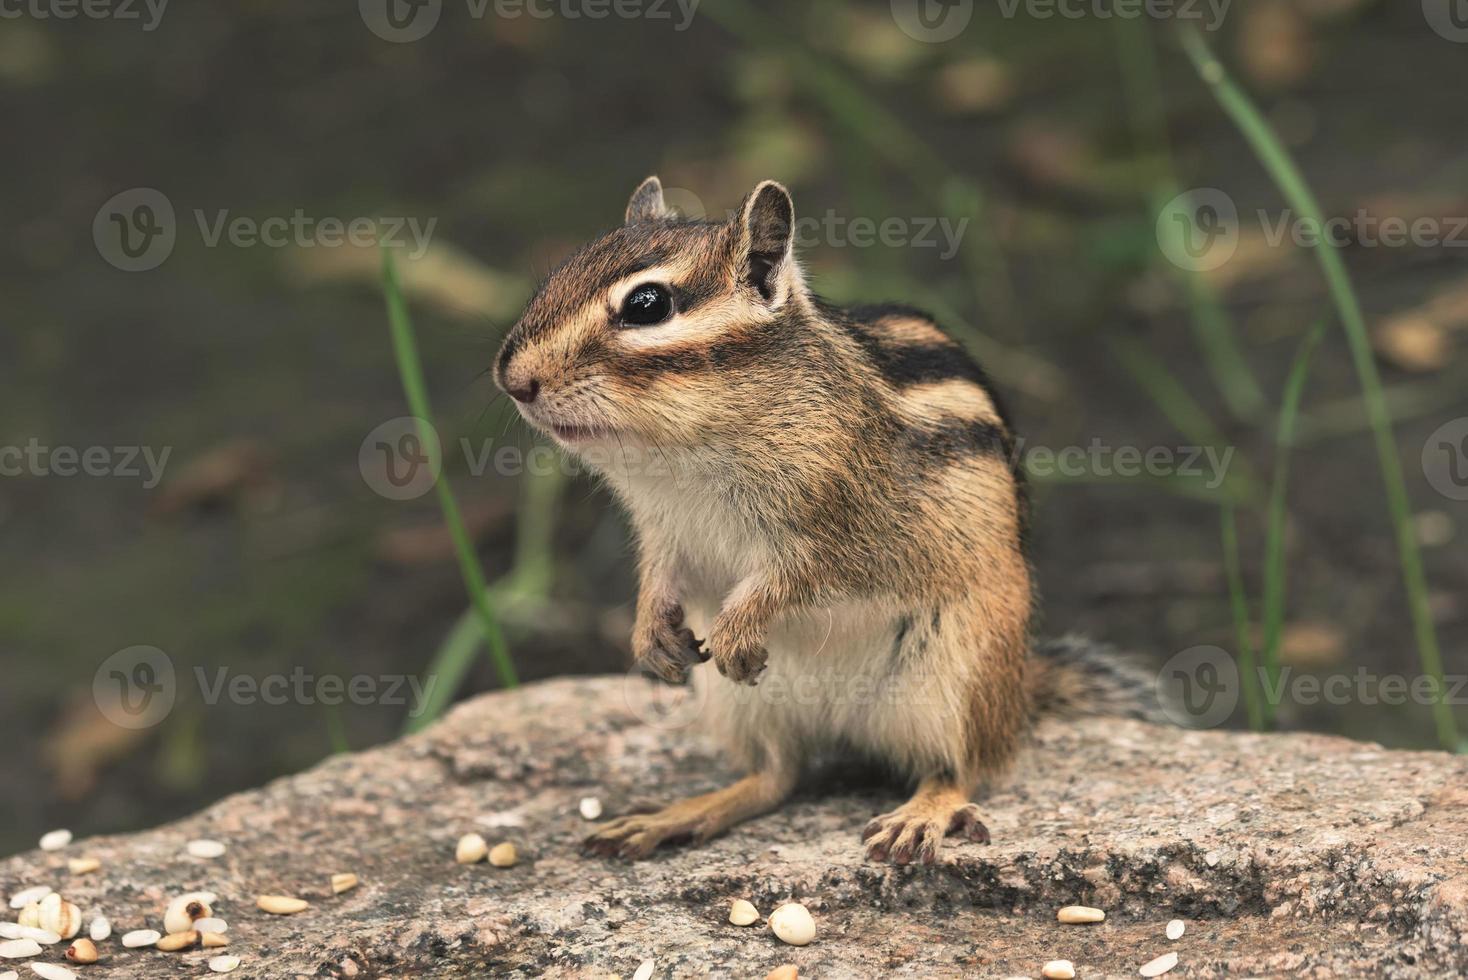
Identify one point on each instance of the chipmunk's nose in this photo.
(526, 392)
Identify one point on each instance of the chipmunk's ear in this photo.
(766, 239)
(647, 203)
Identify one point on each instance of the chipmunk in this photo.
(839, 513)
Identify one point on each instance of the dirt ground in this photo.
(262, 369)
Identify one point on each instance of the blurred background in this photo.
(179, 302)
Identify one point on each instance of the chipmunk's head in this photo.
(663, 332)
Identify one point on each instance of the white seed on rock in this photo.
(82, 866)
(1059, 970)
(183, 910)
(205, 849)
(343, 883)
(141, 937)
(503, 855)
(23, 898)
(471, 849)
(1176, 928)
(743, 913)
(590, 808)
(15, 949)
(50, 971)
(644, 972)
(30, 915)
(213, 940)
(211, 924)
(14, 930)
(282, 904)
(176, 941)
(9, 975)
(792, 923)
(1080, 914)
(55, 840)
(1159, 966)
(224, 964)
(100, 928)
(59, 916)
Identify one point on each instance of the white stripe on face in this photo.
(706, 323)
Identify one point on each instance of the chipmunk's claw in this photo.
(743, 666)
(913, 834)
(671, 651)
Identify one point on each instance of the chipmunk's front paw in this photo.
(742, 663)
(667, 649)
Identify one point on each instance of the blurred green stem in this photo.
(1291, 182)
(1239, 607)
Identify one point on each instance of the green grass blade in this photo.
(1254, 704)
(449, 668)
(405, 349)
(1275, 570)
(1291, 183)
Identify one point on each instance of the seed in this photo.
(211, 925)
(205, 849)
(23, 898)
(224, 964)
(1059, 970)
(141, 937)
(30, 915)
(9, 975)
(343, 883)
(1080, 914)
(1176, 928)
(82, 951)
(644, 971)
(50, 971)
(743, 913)
(55, 840)
(59, 916)
(14, 930)
(15, 949)
(282, 904)
(213, 940)
(175, 941)
(590, 807)
(100, 929)
(786, 972)
(81, 866)
(471, 849)
(1159, 966)
(792, 924)
(503, 855)
(183, 910)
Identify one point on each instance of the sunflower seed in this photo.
(55, 840)
(787, 972)
(82, 866)
(282, 904)
(1159, 966)
(176, 941)
(792, 924)
(213, 940)
(141, 937)
(1080, 914)
(743, 913)
(224, 964)
(471, 849)
(1176, 928)
(343, 883)
(205, 849)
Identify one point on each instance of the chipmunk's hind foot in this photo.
(914, 831)
(693, 820)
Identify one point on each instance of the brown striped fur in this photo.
(836, 511)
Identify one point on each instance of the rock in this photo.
(1285, 853)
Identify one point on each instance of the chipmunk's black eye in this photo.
(646, 305)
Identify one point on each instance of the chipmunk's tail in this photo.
(1073, 675)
